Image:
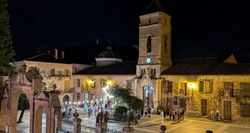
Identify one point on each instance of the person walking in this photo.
(173, 113)
(149, 112)
(89, 111)
(162, 117)
(137, 117)
(170, 113)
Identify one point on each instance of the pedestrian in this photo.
(182, 113)
(89, 111)
(162, 116)
(97, 118)
(137, 117)
(173, 113)
(106, 116)
(141, 112)
(170, 113)
(149, 111)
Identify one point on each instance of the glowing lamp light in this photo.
(191, 85)
(109, 82)
(69, 102)
(105, 91)
(90, 81)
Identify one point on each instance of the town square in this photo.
(145, 66)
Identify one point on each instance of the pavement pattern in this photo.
(150, 125)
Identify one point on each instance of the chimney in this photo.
(56, 53)
(62, 54)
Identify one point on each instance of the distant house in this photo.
(55, 70)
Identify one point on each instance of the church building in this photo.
(201, 86)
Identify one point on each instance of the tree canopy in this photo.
(6, 52)
(125, 96)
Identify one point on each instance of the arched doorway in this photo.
(148, 96)
(23, 114)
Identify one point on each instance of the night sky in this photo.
(199, 27)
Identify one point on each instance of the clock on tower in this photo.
(148, 60)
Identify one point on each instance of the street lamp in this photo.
(192, 86)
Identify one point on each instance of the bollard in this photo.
(77, 123)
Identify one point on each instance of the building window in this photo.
(103, 82)
(52, 71)
(66, 85)
(149, 41)
(154, 73)
(206, 86)
(245, 110)
(165, 43)
(164, 87)
(78, 82)
(129, 84)
(142, 72)
(245, 89)
(228, 88)
(66, 72)
(78, 96)
(169, 86)
(183, 89)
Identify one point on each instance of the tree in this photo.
(23, 104)
(125, 96)
(6, 52)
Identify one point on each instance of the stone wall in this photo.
(214, 99)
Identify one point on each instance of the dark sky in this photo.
(199, 27)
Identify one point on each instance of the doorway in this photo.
(203, 107)
(227, 110)
(148, 96)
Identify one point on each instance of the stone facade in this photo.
(59, 74)
(216, 96)
(92, 85)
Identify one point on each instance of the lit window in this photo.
(78, 82)
(183, 89)
(228, 88)
(169, 86)
(206, 86)
(245, 89)
(245, 110)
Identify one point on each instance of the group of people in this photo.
(94, 108)
(176, 114)
(102, 117)
(68, 112)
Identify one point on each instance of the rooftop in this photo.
(206, 66)
(119, 69)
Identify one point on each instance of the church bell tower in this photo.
(154, 41)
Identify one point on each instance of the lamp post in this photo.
(192, 86)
